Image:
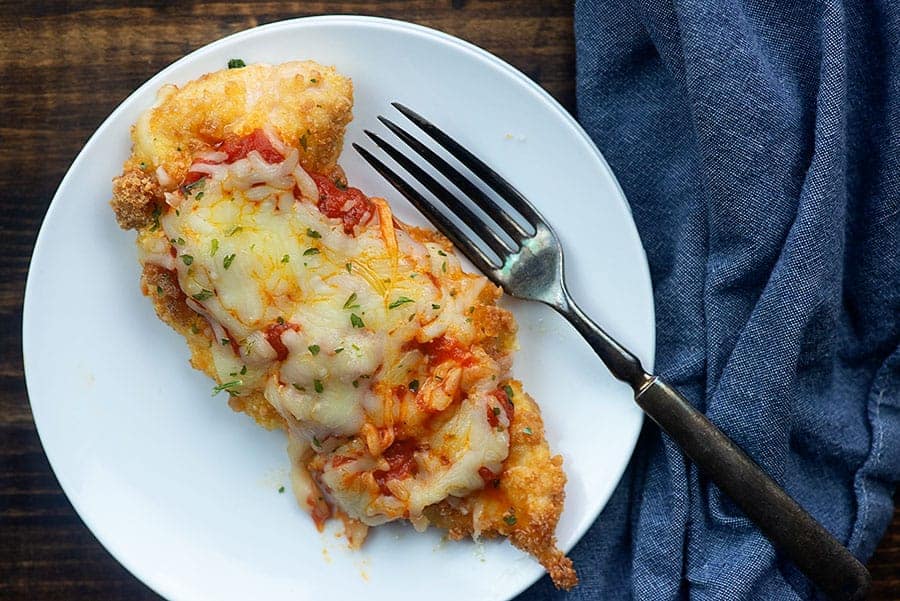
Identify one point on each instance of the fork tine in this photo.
(477, 166)
(503, 219)
(481, 229)
(435, 216)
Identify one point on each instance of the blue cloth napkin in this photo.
(758, 144)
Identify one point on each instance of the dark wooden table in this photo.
(64, 67)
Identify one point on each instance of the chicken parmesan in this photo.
(316, 311)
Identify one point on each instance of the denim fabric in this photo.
(758, 144)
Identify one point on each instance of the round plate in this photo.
(184, 492)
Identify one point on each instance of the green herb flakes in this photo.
(400, 301)
(351, 302)
(236, 63)
(226, 386)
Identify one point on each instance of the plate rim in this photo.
(133, 567)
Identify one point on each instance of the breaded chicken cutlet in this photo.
(318, 312)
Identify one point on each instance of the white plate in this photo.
(182, 491)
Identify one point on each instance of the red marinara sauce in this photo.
(273, 336)
(349, 205)
(442, 349)
(504, 401)
(237, 148)
(401, 461)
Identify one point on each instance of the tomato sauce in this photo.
(401, 461)
(493, 411)
(237, 148)
(273, 336)
(349, 205)
(442, 349)
(489, 477)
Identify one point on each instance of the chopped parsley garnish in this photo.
(180, 241)
(349, 267)
(313, 233)
(340, 185)
(236, 63)
(400, 301)
(228, 260)
(159, 290)
(350, 303)
(226, 386)
(303, 141)
(286, 258)
(313, 80)
(356, 321)
(280, 320)
(434, 306)
(188, 259)
(310, 251)
(233, 231)
(316, 442)
(509, 391)
(197, 185)
(414, 386)
(442, 253)
(355, 383)
(298, 387)
(214, 246)
(225, 342)
(202, 295)
(243, 370)
(444, 267)
(280, 489)
(157, 211)
(314, 349)
(510, 520)
(318, 386)
(194, 329)
(527, 431)
(496, 410)
(338, 350)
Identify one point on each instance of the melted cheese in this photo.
(347, 312)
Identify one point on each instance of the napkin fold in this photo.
(758, 144)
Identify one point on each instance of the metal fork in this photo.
(532, 268)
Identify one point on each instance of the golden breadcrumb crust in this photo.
(304, 103)
(526, 500)
(308, 106)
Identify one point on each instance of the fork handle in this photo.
(818, 554)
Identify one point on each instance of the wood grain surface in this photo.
(64, 66)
